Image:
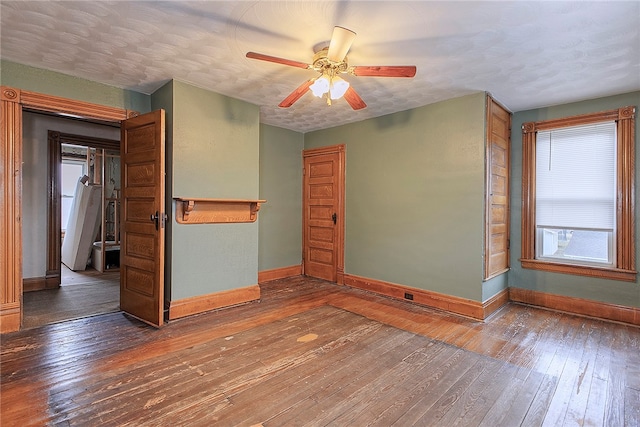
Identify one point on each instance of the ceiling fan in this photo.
(330, 62)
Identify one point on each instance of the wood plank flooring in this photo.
(318, 354)
(82, 294)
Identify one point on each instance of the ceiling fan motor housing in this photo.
(324, 65)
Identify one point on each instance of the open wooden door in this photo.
(323, 213)
(498, 146)
(143, 217)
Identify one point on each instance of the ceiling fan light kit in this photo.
(334, 87)
(330, 62)
(331, 88)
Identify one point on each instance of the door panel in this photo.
(497, 200)
(323, 236)
(143, 194)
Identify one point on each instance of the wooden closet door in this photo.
(323, 213)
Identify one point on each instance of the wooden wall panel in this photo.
(279, 273)
(200, 304)
(452, 304)
(573, 305)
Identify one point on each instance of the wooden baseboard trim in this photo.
(494, 303)
(573, 305)
(200, 304)
(10, 317)
(39, 283)
(279, 273)
(449, 303)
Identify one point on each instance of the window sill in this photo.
(581, 270)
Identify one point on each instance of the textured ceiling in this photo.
(526, 54)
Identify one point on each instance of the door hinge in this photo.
(508, 243)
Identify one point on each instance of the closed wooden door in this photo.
(143, 218)
(323, 219)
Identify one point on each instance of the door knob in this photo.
(155, 218)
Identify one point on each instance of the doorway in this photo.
(86, 281)
(13, 102)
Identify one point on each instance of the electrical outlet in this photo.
(408, 296)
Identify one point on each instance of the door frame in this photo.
(339, 149)
(54, 234)
(12, 102)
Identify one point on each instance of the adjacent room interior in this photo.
(79, 278)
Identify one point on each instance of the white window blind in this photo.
(575, 177)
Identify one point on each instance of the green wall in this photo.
(415, 195)
(280, 219)
(610, 291)
(57, 84)
(214, 151)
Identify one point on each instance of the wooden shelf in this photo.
(210, 211)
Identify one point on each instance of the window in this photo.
(575, 193)
(578, 204)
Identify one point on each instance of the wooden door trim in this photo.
(13, 101)
(77, 109)
(10, 211)
(339, 149)
(54, 217)
(54, 234)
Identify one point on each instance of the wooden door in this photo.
(323, 207)
(143, 217)
(497, 198)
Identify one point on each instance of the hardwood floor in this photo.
(315, 353)
(82, 294)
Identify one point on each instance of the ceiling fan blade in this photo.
(352, 97)
(340, 43)
(296, 94)
(260, 56)
(385, 71)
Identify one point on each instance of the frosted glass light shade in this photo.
(338, 87)
(320, 86)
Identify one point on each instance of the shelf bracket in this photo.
(187, 208)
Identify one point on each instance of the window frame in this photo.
(624, 263)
